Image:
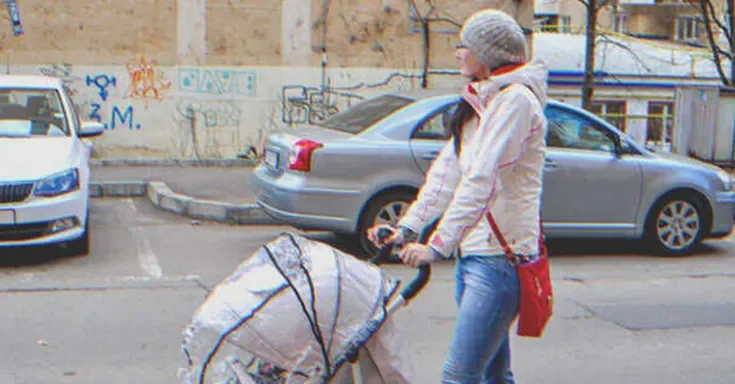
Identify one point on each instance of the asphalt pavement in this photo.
(116, 316)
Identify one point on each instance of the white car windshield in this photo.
(26, 112)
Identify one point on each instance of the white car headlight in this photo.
(58, 183)
(726, 179)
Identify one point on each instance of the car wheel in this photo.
(80, 246)
(385, 209)
(675, 225)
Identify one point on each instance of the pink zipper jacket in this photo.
(500, 168)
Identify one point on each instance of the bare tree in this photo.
(714, 26)
(593, 11)
(431, 16)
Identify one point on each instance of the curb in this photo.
(161, 196)
(174, 162)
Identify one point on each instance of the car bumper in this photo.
(37, 221)
(288, 200)
(723, 214)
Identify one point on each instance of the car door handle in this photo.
(430, 155)
(550, 164)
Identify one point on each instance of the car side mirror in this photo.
(91, 129)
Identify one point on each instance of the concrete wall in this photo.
(208, 78)
(101, 32)
(152, 110)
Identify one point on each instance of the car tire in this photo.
(80, 247)
(387, 208)
(675, 225)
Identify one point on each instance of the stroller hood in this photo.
(298, 306)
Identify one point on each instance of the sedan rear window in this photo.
(363, 115)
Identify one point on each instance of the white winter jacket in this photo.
(499, 168)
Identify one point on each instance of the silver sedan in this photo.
(365, 165)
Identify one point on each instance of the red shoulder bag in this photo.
(536, 295)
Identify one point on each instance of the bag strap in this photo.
(501, 239)
(499, 235)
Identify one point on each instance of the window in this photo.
(621, 24)
(660, 124)
(435, 128)
(565, 24)
(687, 28)
(571, 131)
(26, 112)
(363, 115)
(556, 23)
(612, 111)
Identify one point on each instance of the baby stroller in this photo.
(301, 312)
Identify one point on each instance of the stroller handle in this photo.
(418, 283)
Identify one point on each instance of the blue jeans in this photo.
(487, 295)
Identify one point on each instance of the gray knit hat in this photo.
(495, 37)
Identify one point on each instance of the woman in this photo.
(494, 162)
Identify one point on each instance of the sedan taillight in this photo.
(300, 156)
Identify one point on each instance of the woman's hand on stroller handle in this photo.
(387, 238)
(383, 234)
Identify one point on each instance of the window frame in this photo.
(619, 144)
(668, 115)
(604, 104)
(415, 133)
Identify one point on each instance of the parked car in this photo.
(44, 165)
(364, 166)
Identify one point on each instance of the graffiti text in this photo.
(217, 82)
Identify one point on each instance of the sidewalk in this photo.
(226, 184)
(214, 193)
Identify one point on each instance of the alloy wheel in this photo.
(391, 213)
(678, 225)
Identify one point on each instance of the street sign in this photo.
(15, 17)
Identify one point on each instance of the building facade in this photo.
(209, 78)
(645, 48)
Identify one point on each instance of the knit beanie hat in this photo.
(495, 38)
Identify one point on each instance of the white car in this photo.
(44, 165)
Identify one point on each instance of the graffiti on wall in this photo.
(147, 80)
(63, 72)
(118, 115)
(225, 82)
(213, 114)
(102, 82)
(302, 104)
(202, 123)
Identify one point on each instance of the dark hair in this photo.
(463, 114)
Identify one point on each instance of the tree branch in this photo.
(415, 8)
(586, 4)
(720, 24)
(713, 45)
(722, 52)
(602, 4)
(445, 20)
(607, 40)
(432, 9)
